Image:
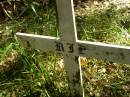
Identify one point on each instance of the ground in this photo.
(30, 73)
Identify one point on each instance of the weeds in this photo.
(102, 24)
(36, 74)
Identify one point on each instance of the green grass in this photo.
(102, 24)
(36, 74)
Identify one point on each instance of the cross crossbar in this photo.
(71, 48)
(108, 52)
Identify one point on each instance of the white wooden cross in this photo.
(72, 48)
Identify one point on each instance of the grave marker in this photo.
(72, 48)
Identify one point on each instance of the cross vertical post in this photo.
(67, 27)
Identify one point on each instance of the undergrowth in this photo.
(30, 73)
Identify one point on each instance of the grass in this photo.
(102, 24)
(35, 74)
(30, 73)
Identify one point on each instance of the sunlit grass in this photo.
(38, 74)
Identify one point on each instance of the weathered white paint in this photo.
(71, 48)
(66, 18)
(116, 53)
(67, 27)
(43, 43)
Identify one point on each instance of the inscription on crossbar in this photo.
(71, 48)
(59, 46)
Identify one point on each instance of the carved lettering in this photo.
(71, 48)
(59, 46)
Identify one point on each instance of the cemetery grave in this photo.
(71, 48)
